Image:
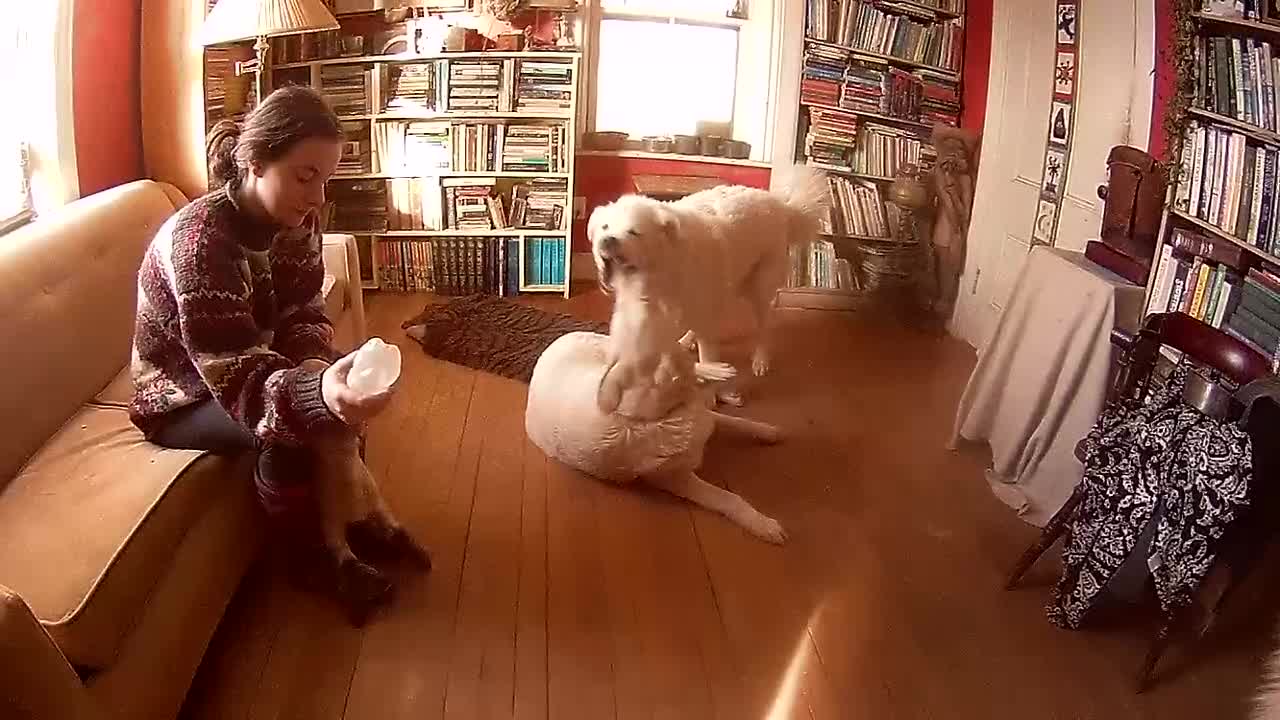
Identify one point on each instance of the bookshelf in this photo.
(459, 166)
(876, 76)
(1219, 256)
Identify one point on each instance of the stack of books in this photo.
(823, 72)
(476, 146)
(1255, 318)
(413, 87)
(467, 265)
(939, 99)
(886, 29)
(346, 87)
(544, 86)
(831, 138)
(1230, 182)
(476, 85)
(815, 265)
(356, 156)
(412, 147)
(902, 95)
(885, 149)
(544, 261)
(535, 148)
(357, 206)
(1236, 77)
(472, 204)
(857, 208)
(865, 86)
(539, 204)
(415, 204)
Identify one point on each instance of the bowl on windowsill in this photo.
(605, 140)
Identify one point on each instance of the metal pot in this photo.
(736, 149)
(711, 144)
(657, 144)
(687, 144)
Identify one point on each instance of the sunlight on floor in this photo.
(784, 700)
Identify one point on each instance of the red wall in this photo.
(602, 179)
(105, 93)
(977, 64)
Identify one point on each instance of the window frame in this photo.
(755, 77)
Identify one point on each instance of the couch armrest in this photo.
(342, 257)
(36, 681)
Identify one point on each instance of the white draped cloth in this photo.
(1041, 379)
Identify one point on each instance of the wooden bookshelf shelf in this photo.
(501, 232)
(947, 73)
(404, 58)
(1219, 232)
(813, 298)
(914, 124)
(1239, 23)
(1249, 129)
(456, 115)
(449, 173)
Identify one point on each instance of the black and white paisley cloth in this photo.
(1163, 456)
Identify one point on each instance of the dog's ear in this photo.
(668, 223)
(609, 394)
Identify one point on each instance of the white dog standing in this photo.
(702, 252)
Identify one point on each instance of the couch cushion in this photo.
(118, 392)
(88, 526)
(68, 284)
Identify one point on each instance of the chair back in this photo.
(1208, 346)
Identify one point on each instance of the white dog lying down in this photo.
(564, 420)
(632, 406)
(701, 252)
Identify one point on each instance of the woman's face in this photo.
(293, 185)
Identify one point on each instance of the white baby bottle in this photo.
(376, 367)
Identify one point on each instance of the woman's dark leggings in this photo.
(281, 474)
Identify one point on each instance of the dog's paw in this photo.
(760, 363)
(769, 530)
(361, 590)
(730, 397)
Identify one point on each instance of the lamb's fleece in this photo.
(564, 420)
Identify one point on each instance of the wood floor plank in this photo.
(482, 670)
(531, 604)
(404, 663)
(579, 636)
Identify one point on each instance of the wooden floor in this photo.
(556, 596)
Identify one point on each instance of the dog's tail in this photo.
(806, 191)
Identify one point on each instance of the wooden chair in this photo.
(1230, 358)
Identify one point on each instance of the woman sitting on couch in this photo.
(232, 350)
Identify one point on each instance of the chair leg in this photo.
(1052, 531)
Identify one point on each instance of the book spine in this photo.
(1197, 172)
(1179, 286)
(1255, 193)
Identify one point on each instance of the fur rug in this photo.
(492, 334)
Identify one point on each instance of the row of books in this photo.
(857, 208)
(837, 77)
(882, 28)
(424, 147)
(815, 265)
(882, 150)
(469, 265)
(1256, 317)
(450, 203)
(453, 86)
(418, 146)
(1230, 182)
(225, 95)
(357, 157)
(1236, 77)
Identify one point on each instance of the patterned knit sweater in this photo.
(227, 309)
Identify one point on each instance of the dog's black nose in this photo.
(608, 242)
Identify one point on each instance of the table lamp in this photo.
(236, 20)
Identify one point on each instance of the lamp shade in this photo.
(234, 20)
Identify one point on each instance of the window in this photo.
(666, 67)
(662, 78)
(37, 143)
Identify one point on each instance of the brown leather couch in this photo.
(117, 557)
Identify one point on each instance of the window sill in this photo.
(9, 224)
(706, 159)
